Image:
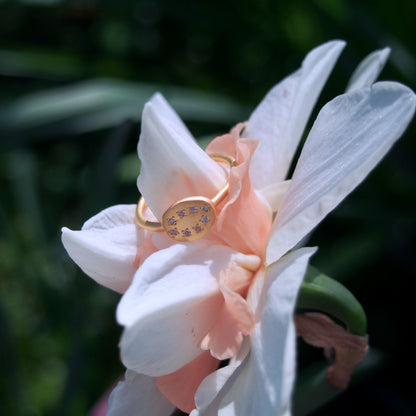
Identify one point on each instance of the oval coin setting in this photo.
(189, 219)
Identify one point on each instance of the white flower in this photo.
(232, 294)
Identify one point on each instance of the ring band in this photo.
(188, 219)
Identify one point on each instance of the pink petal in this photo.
(320, 331)
(180, 387)
(244, 221)
(172, 303)
(236, 318)
(261, 383)
(144, 251)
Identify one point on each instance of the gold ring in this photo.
(190, 218)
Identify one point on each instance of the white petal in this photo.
(350, 136)
(263, 384)
(215, 393)
(138, 395)
(368, 70)
(213, 384)
(173, 165)
(275, 193)
(279, 120)
(172, 303)
(106, 246)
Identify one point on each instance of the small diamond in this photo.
(198, 228)
(181, 213)
(205, 208)
(172, 221)
(205, 218)
(193, 209)
(186, 233)
(173, 232)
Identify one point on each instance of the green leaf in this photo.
(105, 103)
(320, 293)
(42, 63)
(128, 168)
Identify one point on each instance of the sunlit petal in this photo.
(279, 120)
(106, 247)
(172, 303)
(173, 165)
(275, 193)
(350, 136)
(262, 384)
(235, 320)
(243, 208)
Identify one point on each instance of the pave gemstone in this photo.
(198, 228)
(205, 219)
(186, 233)
(181, 213)
(172, 221)
(193, 209)
(173, 232)
(205, 208)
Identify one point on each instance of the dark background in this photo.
(74, 76)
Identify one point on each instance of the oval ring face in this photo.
(189, 219)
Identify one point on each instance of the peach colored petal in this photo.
(148, 246)
(236, 318)
(244, 221)
(226, 144)
(180, 387)
(320, 331)
(174, 301)
(238, 275)
(144, 251)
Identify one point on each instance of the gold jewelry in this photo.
(190, 218)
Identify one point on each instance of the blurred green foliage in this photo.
(74, 76)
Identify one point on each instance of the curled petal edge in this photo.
(350, 350)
